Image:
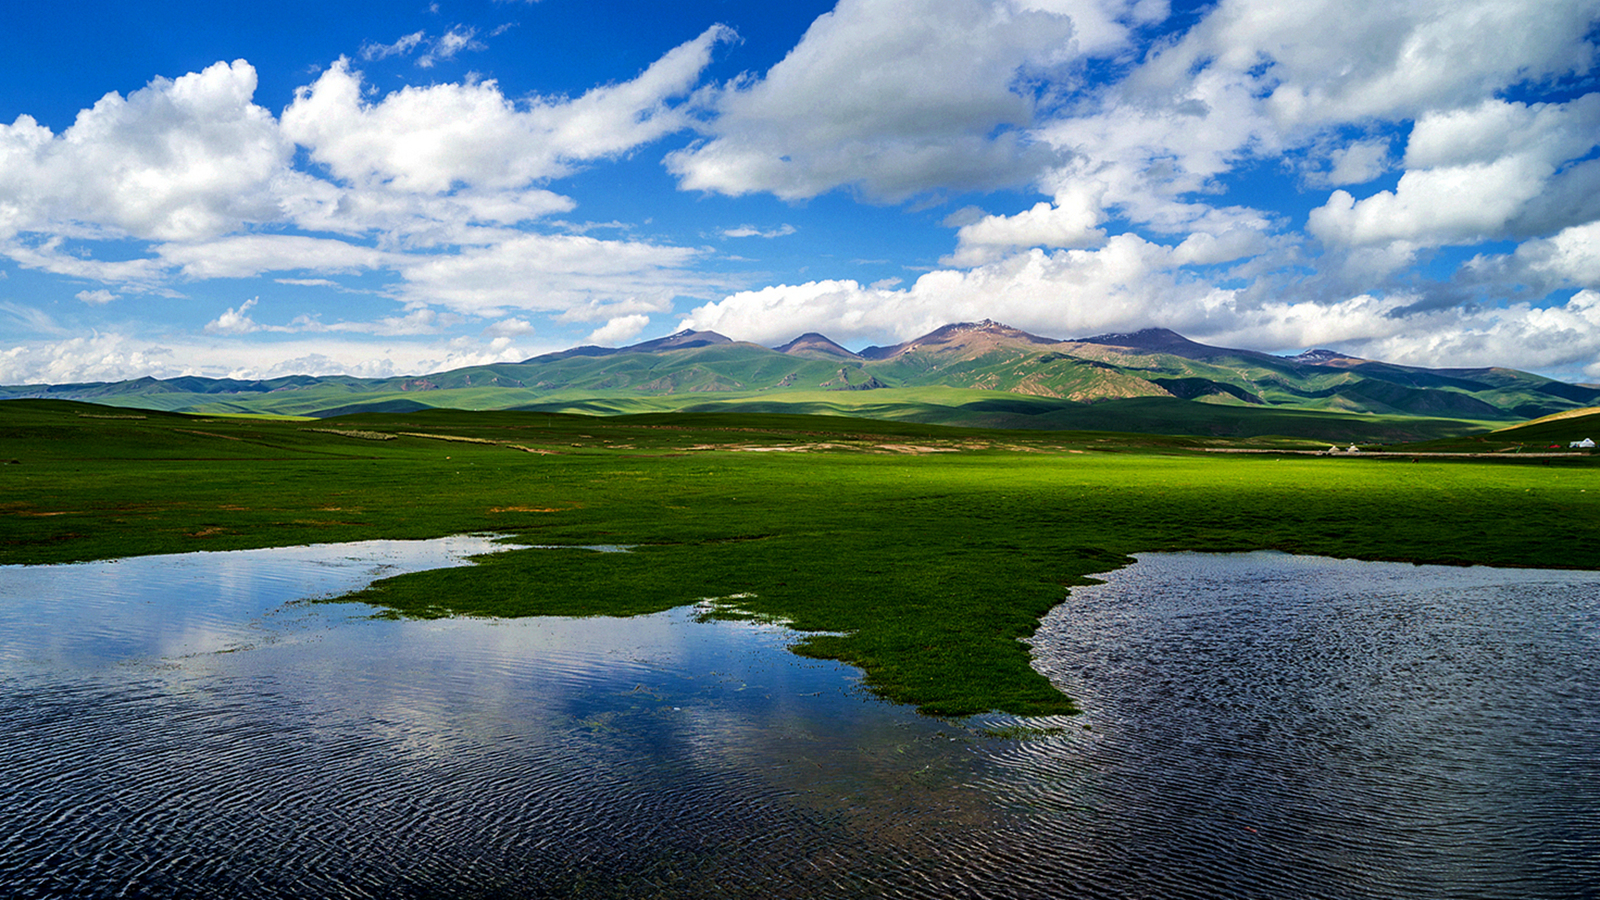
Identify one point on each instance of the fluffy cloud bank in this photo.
(111, 356)
(183, 159)
(429, 139)
(1417, 181)
(194, 166)
(1491, 171)
(891, 98)
(1131, 283)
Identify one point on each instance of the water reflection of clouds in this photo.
(99, 613)
(349, 750)
(537, 748)
(431, 690)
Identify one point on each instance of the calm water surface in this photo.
(1257, 726)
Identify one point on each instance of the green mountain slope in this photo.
(983, 373)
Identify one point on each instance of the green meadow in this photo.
(922, 554)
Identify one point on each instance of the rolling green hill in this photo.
(1553, 432)
(977, 374)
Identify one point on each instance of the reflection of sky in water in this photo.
(88, 614)
(417, 757)
(1259, 726)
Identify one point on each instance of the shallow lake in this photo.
(1255, 725)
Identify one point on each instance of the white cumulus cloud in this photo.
(1072, 221)
(1472, 174)
(181, 159)
(431, 139)
(1322, 61)
(235, 321)
(1131, 283)
(891, 97)
(618, 330)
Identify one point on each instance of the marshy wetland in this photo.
(560, 722)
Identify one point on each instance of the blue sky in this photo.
(269, 189)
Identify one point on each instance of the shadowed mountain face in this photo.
(1162, 340)
(951, 374)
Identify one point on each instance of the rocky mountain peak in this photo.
(816, 345)
(1320, 356)
(963, 336)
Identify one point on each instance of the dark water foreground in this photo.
(1259, 726)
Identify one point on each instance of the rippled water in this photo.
(1269, 725)
(177, 727)
(1258, 726)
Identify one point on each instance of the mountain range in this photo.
(974, 373)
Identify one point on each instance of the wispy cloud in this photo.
(399, 48)
(237, 321)
(433, 49)
(447, 45)
(96, 298)
(35, 320)
(744, 231)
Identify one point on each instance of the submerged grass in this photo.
(921, 554)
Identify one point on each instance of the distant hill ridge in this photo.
(681, 340)
(987, 332)
(962, 372)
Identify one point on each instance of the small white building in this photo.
(1585, 444)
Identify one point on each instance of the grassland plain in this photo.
(922, 554)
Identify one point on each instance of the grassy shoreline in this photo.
(924, 553)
